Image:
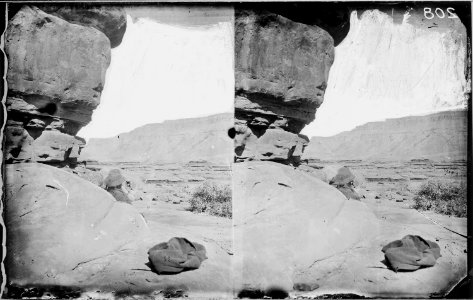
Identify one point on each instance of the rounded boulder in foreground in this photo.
(285, 221)
(57, 221)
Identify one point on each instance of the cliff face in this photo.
(57, 59)
(439, 136)
(281, 71)
(391, 66)
(171, 141)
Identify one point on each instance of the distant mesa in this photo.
(439, 136)
(193, 140)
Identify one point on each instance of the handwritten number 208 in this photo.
(440, 13)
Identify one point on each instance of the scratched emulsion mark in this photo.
(3, 12)
(64, 189)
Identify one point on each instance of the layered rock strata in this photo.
(57, 59)
(281, 72)
(439, 136)
(204, 138)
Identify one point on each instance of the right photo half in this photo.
(351, 149)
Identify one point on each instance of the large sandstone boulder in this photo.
(286, 220)
(111, 20)
(53, 61)
(281, 72)
(283, 62)
(57, 221)
(56, 73)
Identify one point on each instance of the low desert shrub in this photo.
(448, 198)
(212, 199)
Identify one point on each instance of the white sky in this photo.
(164, 72)
(386, 70)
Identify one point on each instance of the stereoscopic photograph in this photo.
(236, 150)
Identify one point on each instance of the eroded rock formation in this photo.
(57, 59)
(281, 72)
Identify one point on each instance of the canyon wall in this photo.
(57, 60)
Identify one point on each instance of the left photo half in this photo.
(118, 150)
